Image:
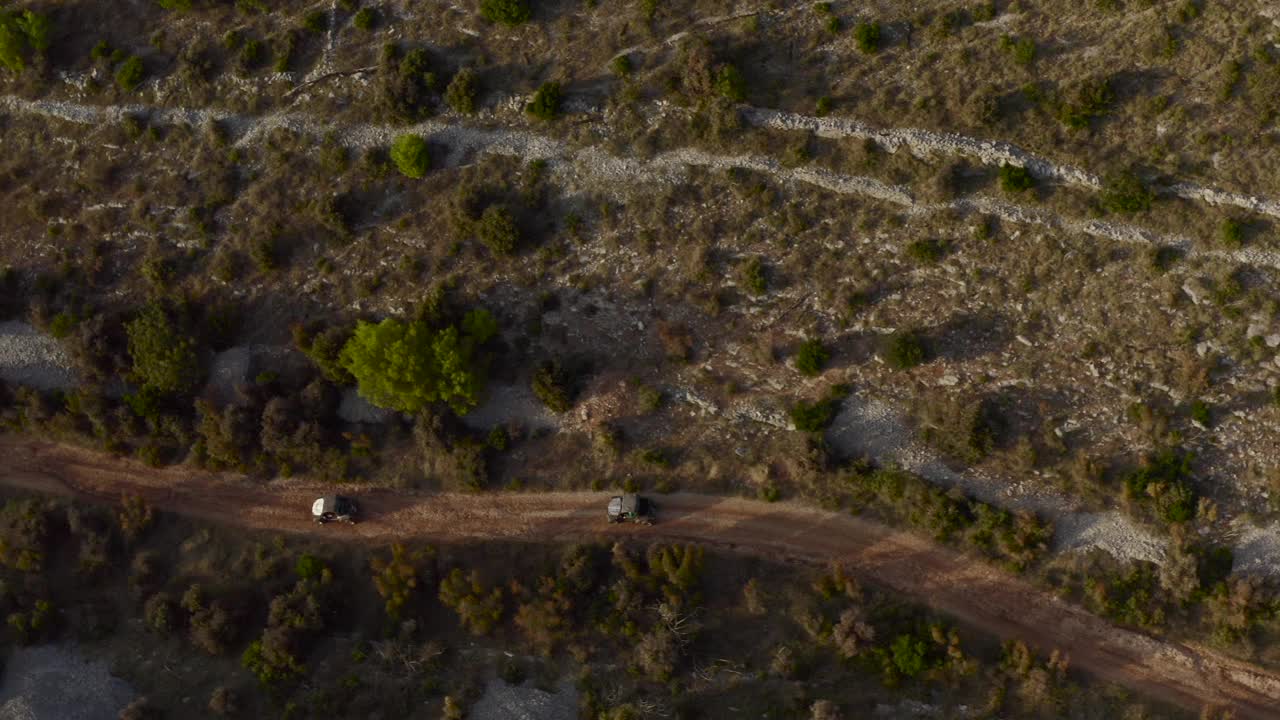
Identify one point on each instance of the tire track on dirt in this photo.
(968, 589)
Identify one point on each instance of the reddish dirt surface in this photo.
(970, 590)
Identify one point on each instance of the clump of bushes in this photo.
(409, 153)
(546, 102)
(904, 350)
(1164, 480)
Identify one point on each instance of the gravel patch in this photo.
(29, 357)
(1257, 549)
(355, 409)
(511, 404)
(54, 682)
(524, 702)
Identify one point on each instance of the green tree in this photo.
(407, 365)
(20, 32)
(409, 152)
(164, 358)
(35, 28)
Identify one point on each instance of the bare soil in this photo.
(964, 587)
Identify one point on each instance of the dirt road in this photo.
(969, 590)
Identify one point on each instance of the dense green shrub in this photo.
(498, 231)
(1126, 192)
(130, 73)
(546, 102)
(407, 365)
(904, 350)
(461, 92)
(730, 84)
(867, 36)
(621, 65)
(507, 12)
(812, 357)
(1015, 179)
(365, 19)
(164, 358)
(409, 153)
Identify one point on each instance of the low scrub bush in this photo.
(815, 417)
(1092, 99)
(1126, 192)
(546, 102)
(904, 350)
(1015, 179)
(506, 12)
(461, 92)
(498, 231)
(812, 357)
(867, 36)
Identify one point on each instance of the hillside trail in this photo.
(573, 165)
(965, 588)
